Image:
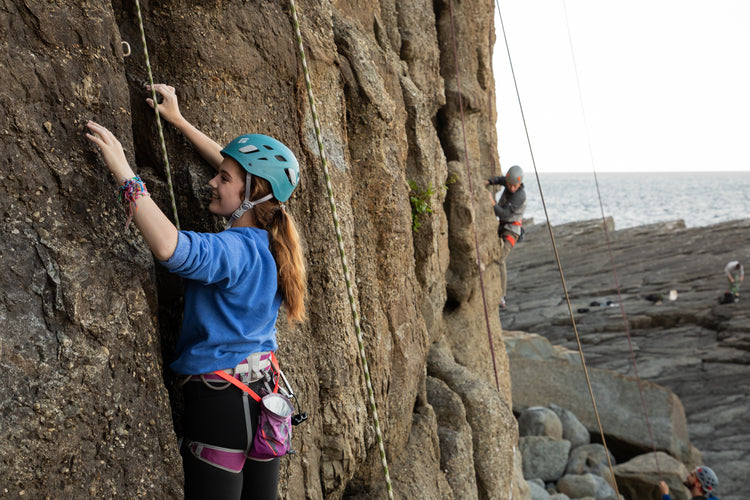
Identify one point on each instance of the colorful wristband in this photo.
(129, 191)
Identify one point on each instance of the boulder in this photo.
(591, 458)
(640, 476)
(539, 421)
(572, 428)
(529, 346)
(544, 457)
(586, 485)
(538, 491)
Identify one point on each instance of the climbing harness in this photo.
(511, 231)
(342, 254)
(158, 118)
(471, 191)
(272, 436)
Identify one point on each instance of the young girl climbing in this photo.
(235, 282)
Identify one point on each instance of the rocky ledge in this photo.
(669, 278)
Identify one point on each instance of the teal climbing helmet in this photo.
(514, 175)
(268, 159)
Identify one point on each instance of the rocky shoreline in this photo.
(691, 345)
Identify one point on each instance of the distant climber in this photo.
(509, 210)
(701, 483)
(735, 275)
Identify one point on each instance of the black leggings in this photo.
(217, 417)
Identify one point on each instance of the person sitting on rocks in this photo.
(735, 275)
(701, 482)
(509, 211)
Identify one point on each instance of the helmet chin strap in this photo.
(246, 204)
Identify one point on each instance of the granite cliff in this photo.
(89, 320)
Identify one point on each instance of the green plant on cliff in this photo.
(420, 202)
(420, 199)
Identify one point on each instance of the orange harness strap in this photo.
(244, 387)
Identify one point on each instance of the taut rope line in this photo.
(342, 254)
(609, 245)
(557, 256)
(158, 118)
(471, 191)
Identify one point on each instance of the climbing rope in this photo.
(557, 256)
(342, 254)
(471, 191)
(609, 245)
(158, 118)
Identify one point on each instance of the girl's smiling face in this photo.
(227, 188)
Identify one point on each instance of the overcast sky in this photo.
(664, 85)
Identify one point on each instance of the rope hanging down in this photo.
(158, 118)
(342, 254)
(609, 245)
(557, 256)
(471, 191)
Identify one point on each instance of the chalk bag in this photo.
(273, 436)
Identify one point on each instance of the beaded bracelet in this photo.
(129, 191)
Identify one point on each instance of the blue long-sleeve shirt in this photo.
(231, 298)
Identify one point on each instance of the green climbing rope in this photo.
(158, 118)
(342, 254)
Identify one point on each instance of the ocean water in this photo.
(635, 199)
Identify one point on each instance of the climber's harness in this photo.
(272, 436)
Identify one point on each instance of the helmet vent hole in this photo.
(248, 149)
(292, 176)
(280, 158)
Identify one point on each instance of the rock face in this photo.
(89, 320)
(692, 345)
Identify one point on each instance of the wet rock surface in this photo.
(691, 345)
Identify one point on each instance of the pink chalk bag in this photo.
(273, 435)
